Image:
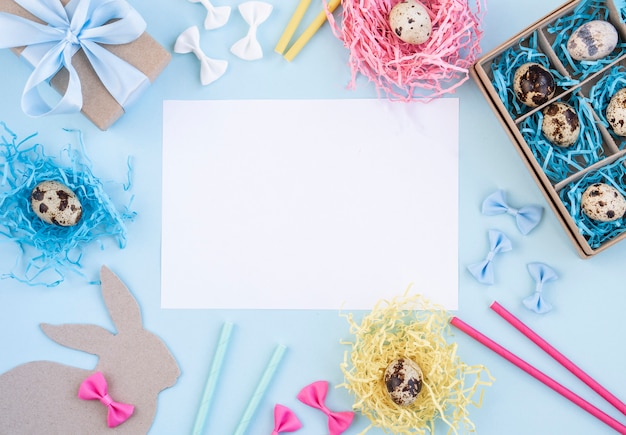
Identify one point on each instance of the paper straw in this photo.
(310, 31)
(253, 404)
(214, 372)
(292, 26)
(540, 376)
(558, 356)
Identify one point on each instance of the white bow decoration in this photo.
(210, 69)
(216, 16)
(254, 13)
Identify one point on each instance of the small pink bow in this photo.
(95, 388)
(285, 420)
(314, 395)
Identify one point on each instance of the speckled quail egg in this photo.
(603, 203)
(616, 112)
(592, 41)
(55, 203)
(560, 125)
(410, 21)
(403, 380)
(533, 84)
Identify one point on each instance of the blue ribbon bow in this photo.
(526, 218)
(80, 24)
(542, 274)
(483, 270)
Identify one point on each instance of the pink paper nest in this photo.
(403, 71)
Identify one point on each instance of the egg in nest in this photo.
(409, 328)
(433, 63)
(55, 203)
(410, 21)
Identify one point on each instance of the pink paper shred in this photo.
(402, 71)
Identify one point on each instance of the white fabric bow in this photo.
(210, 69)
(254, 13)
(216, 16)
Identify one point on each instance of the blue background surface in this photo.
(589, 296)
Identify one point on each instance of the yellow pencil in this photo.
(310, 31)
(292, 26)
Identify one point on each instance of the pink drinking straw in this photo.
(558, 356)
(540, 376)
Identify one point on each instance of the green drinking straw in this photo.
(209, 389)
(260, 390)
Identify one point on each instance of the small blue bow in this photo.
(542, 274)
(527, 217)
(50, 46)
(483, 270)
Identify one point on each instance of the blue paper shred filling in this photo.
(503, 70)
(559, 163)
(48, 251)
(595, 232)
(564, 26)
(600, 95)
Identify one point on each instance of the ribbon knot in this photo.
(483, 270)
(71, 37)
(285, 420)
(512, 211)
(526, 218)
(541, 274)
(95, 388)
(50, 46)
(210, 69)
(254, 13)
(314, 395)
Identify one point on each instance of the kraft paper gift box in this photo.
(577, 81)
(99, 106)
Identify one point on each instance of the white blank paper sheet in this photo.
(308, 204)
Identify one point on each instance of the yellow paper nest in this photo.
(408, 326)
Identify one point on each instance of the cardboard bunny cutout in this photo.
(42, 396)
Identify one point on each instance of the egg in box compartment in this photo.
(569, 33)
(564, 168)
(603, 88)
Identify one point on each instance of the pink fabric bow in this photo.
(314, 395)
(285, 420)
(95, 388)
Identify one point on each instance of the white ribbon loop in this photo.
(216, 16)
(254, 13)
(80, 24)
(210, 69)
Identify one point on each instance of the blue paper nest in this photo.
(563, 28)
(601, 93)
(49, 251)
(595, 232)
(503, 70)
(559, 163)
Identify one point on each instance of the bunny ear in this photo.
(92, 339)
(122, 306)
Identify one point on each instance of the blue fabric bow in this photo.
(80, 24)
(483, 270)
(527, 217)
(542, 274)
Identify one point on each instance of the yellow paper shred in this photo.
(408, 326)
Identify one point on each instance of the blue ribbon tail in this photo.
(528, 218)
(537, 304)
(495, 204)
